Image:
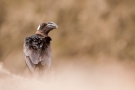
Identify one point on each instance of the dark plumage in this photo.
(37, 48)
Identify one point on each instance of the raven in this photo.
(37, 48)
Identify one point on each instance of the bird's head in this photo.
(45, 28)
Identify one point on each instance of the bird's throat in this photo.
(41, 33)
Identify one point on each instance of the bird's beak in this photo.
(52, 25)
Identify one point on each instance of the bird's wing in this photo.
(32, 54)
(30, 64)
(46, 56)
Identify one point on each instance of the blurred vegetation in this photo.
(87, 28)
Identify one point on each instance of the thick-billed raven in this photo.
(37, 48)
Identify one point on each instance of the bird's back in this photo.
(37, 50)
(37, 42)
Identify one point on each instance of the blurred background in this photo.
(90, 31)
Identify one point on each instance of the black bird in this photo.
(37, 48)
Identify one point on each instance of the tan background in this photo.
(90, 32)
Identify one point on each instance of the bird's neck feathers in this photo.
(41, 33)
